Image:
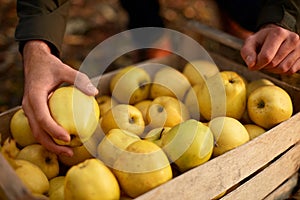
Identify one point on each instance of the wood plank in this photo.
(285, 190)
(262, 184)
(223, 172)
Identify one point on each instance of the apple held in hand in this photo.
(76, 112)
(41, 157)
(130, 85)
(188, 144)
(269, 105)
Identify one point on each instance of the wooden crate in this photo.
(264, 168)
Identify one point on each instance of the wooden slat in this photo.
(269, 179)
(286, 190)
(223, 172)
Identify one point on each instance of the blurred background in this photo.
(89, 23)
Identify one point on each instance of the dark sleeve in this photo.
(285, 13)
(43, 20)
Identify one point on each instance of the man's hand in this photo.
(273, 49)
(43, 74)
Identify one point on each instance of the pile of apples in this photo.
(155, 124)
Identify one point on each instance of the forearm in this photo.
(42, 20)
(285, 13)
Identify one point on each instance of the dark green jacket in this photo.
(46, 19)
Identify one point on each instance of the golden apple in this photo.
(105, 103)
(155, 135)
(254, 130)
(123, 116)
(32, 176)
(223, 95)
(228, 133)
(166, 111)
(80, 154)
(188, 144)
(191, 101)
(76, 112)
(168, 81)
(90, 179)
(56, 188)
(197, 71)
(269, 105)
(20, 129)
(252, 85)
(130, 85)
(143, 107)
(113, 144)
(41, 157)
(142, 167)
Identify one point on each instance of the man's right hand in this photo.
(43, 73)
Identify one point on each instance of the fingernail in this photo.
(66, 154)
(92, 89)
(249, 60)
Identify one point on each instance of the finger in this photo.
(43, 137)
(42, 116)
(80, 80)
(295, 68)
(268, 51)
(284, 50)
(49, 144)
(285, 66)
(248, 51)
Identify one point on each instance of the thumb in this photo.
(81, 81)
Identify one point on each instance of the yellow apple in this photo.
(32, 176)
(20, 129)
(166, 111)
(9, 148)
(130, 85)
(191, 101)
(188, 144)
(254, 130)
(76, 112)
(155, 135)
(105, 103)
(113, 144)
(197, 71)
(90, 179)
(123, 116)
(228, 133)
(168, 81)
(80, 154)
(143, 107)
(269, 105)
(142, 167)
(251, 86)
(41, 157)
(56, 188)
(223, 95)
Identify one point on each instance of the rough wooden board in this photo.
(285, 190)
(269, 179)
(223, 172)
